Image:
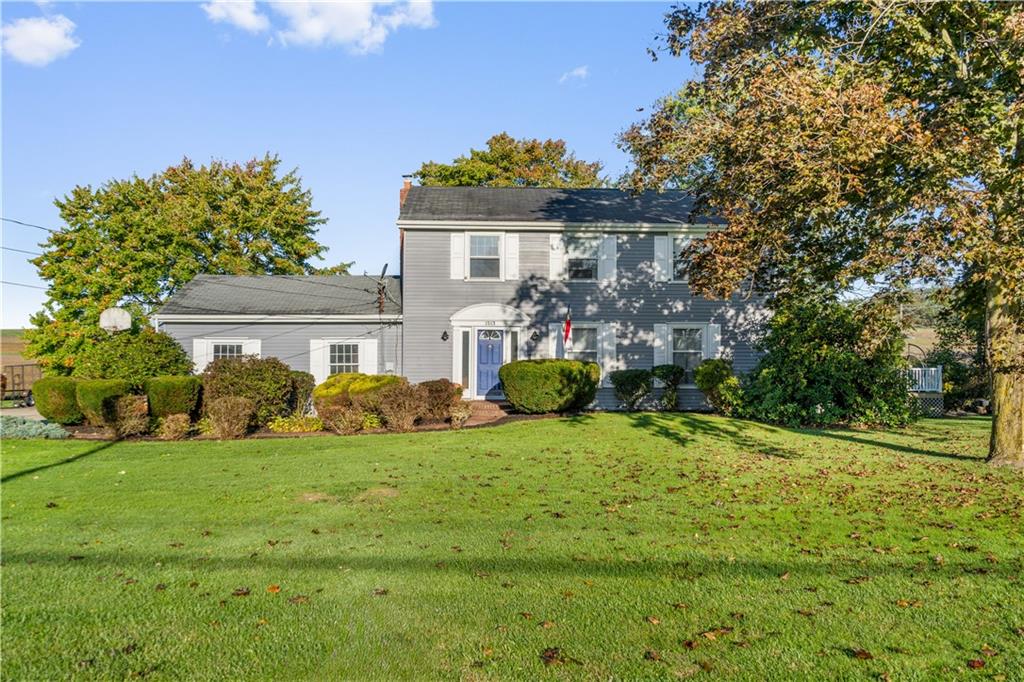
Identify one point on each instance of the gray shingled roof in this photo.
(283, 295)
(533, 204)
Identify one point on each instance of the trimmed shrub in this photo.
(173, 395)
(295, 424)
(828, 362)
(303, 384)
(349, 402)
(173, 427)
(57, 399)
(94, 396)
(540, 386)
(267, 382)
(461, 413)
(127, 415)
(231, 416)
(632, 386)
(20, 428)
(671, 378)
(400, 405)
(440, 397)
(720, 386)
(133, 357)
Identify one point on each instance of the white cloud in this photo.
(359, 26)
(240, 13)
(579, 73)
(39, 40)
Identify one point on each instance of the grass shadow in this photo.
(66, 460)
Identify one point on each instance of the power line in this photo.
(18, 222)
(19, 284)
(11, 248)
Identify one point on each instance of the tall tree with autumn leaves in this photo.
(133, 242)
(878, 141)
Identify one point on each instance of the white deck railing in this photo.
(925, 379)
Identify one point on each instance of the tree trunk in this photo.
(1006, 352)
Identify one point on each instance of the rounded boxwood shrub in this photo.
(267, 382)
(133, 357)
(348, 402)
(720, 386)
(172, 395)
(94, 397)
(540, 386)
(632, 386)
(671, 378)
(57, 399)
(440, 396)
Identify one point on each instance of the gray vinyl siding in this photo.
(289, 342)
(635, 302)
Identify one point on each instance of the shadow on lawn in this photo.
(685, 428)
(686, 567)
(68, 460)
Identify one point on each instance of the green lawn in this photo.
(644, 546)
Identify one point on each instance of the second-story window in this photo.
(484, 256)
(679, 262)
(582, 256)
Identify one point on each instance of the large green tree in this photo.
(134, 242)
(508, 162)
(871, 141)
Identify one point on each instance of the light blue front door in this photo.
(488, 360)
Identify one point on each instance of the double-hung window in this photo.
(679, 261)
(484, 256)
(688, 349)
(583, 344)
(582, 256)
(227, 350)
(343, 358)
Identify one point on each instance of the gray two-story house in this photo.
(489, 276)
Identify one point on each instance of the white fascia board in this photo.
(548, 226)
(165, 318)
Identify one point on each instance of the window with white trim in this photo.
(227, 350)
(343, 358)
(584, 345)
(582, 255)
(679, 261)
(484, 256)
(688, 349)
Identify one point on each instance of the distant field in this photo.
(12, 344)
(924, 338)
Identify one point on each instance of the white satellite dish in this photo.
(115, 320)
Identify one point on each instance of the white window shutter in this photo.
(661, 344)
(556, 258)
(607, 351)
(662, 258)
(607, 258)
(714, 340)
(556, 348)
(318, 360)
(512, 256)
(368, 356)
(458, 255)
(251, 347)
(202, 352)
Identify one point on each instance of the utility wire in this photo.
(19, 284)
(18, 222)
(11, 248)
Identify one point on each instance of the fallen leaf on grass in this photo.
(862, 654)
(691, 644)
(905, 603)
(784, 576)
(652, 655)
(161, 587)
(653, 620)
(51, 505)
(380, 592)
(680, 605)
(988, 651)
(273, 589)
(526, 614)
(715, 633)
(298, 599)
(75, 557)
(548, 624)
(857, 579)
(554, 656)
(975, 663)
(240, 592)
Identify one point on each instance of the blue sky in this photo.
(352, 95)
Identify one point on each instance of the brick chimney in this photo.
(404, 192)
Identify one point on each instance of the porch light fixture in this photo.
(535, 336)
(444, 335)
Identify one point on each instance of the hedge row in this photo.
(542, 386)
